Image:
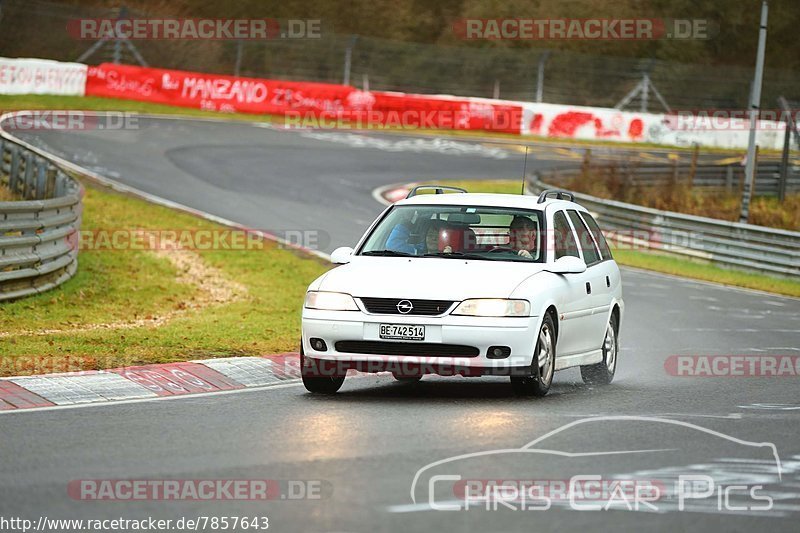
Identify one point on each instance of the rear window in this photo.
(563, 236)
(605, 251)
(590, 253)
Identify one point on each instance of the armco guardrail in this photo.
(38, 244)
(711, 178)
(730, 244)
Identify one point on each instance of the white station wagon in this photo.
(468, 284)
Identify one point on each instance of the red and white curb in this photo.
(389, 194)
(148, 381)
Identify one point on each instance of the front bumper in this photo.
(481, 333)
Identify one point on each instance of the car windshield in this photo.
(458, 232)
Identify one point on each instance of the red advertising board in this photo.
(310, 104)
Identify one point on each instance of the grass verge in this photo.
(135, 306)
(94, 103)
(657, 262)
(683, 198)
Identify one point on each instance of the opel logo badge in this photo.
(404, 307)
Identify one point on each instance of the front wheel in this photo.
(314, 381)
(602, 373)
(543, 364)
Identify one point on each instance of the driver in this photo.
(522, 236)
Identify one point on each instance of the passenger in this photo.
(522, 236)
(400, 239)
(432, 237)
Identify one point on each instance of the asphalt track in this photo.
(366, 444)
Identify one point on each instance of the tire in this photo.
(406, 378)
(315, 383)
(602, 373)
(543, 364)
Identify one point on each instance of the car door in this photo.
(609, 270)
(596, 287)
(575, 307)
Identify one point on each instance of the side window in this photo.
(598, 236)
(563, 237)
(590, 253)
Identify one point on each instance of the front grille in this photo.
(388, 306)
(423, 349)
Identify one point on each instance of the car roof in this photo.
(488, 199)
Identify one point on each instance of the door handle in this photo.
(588, 288)
(608, 282)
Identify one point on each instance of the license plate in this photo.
(402, 331)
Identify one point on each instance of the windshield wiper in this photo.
(459, 255)
(388, 253)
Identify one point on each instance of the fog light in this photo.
(318, 345)
(498, 352)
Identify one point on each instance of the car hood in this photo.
(427, 278)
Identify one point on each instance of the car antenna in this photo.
(524, 170)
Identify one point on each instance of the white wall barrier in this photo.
(41, 76)
(717, 128)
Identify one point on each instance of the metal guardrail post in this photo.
(13, 168)
(729, 179)
(732, 244)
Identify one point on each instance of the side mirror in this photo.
(341, 256)
(568, 265)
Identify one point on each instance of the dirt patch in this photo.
(213, 288)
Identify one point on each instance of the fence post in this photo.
(729, 179)
(693, 166)
(540, 76)
(748, 188)
(784, 176)
(348, 58)
(675, 172)
(587, 162)
(238, 67)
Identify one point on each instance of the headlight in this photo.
(330, 301)
(493, 307)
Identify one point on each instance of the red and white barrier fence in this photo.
(327, 105)
(304, 103)
(718, 128)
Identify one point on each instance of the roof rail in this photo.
(560, 195)
(439, 189)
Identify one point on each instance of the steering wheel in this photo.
(502, 249)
